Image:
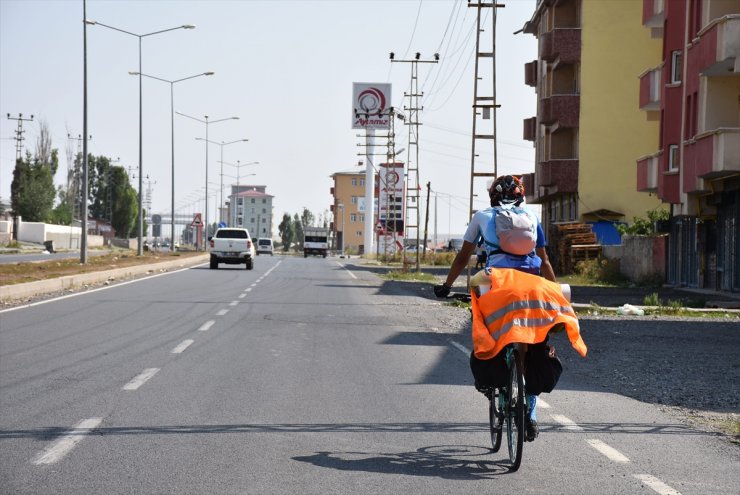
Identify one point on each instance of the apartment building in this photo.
(693, 90)
(252, 209)
(348, 210)
(587, 131)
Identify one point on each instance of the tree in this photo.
(287, 233)
(124, 203)
(62, 213)
(32, 190)
(298, 230)
(307, 218)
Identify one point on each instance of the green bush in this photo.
(644, 226)
(601, 270)
(651, 300)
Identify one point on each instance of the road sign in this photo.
(197, 221)
(221, 225)
(156, 219)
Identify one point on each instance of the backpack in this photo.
(543, 369)
(516, 231)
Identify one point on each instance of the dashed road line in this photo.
(254, 285)
(182, 346)
(248, 289)
(350, 273)
(460, 347)
(242, 296)
(656, 485)
(234, 303)
(222, 312)
(62, 446)
(141, 379)
(205, 326)
(610, 452)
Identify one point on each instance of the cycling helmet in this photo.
(506, 190)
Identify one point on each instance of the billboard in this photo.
(391, 200)
(370, 105)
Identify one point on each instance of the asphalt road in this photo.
(302, 376)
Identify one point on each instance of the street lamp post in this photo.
(222, 144)
(238, 166)
(172, 135)
(140, 247)
(206, 122)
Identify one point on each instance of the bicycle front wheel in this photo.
(495, 419)
(515, 409)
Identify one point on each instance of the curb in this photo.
(40, 287)
(654, 308)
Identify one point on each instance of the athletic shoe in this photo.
(532, 430)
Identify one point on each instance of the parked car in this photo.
(232, 246)
(265, 246)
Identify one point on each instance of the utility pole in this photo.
(18, 156)
(485, 103)
(76, 185)
(413, 187)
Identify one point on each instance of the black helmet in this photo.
(506, 190)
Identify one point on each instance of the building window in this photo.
(358, 233)
(354, 182)
(264, 220)
(264, 210)
(353, 217)
(362, 182)
(676, 67)
(673, 158)
(362, 218)
(354, 200)
(240, 202)
(252, 200)
(251, 220)
(264, 200)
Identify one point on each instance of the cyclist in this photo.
(506, 192)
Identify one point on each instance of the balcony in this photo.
(558, 175)
(650, 89)
(563, 44)
(714, 154)
(530, 74)
(647, 172)
(718, 50)
(653, 13)
(530, 129)
(563, 109)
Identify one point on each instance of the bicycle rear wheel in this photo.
(495, 419)
(515, 409)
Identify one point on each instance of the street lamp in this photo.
(238, 166)
(222, 144)
(206, 122)
(140, 247)
(172, 135)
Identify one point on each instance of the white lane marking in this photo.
(242, 296)
(248, 290)
(541, 403)
(610, 452)
(140, 379)
(182, 346)
(222, 312)
(62, 446)
(253, 285)
(460, 347)
(347, 270)
(67, 296)
(205, 326)
(656, 485)
(234, 303)
(567, 423)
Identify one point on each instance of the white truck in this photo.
(232, 246)
(315, 241)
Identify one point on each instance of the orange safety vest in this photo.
(520, 308)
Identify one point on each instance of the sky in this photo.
(285, 68)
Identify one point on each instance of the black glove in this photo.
(441, 291)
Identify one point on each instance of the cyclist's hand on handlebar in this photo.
(441, 291)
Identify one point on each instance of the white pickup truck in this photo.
(232, 246)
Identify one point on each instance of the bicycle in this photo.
(507, 405)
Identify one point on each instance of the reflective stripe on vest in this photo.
(517, 305)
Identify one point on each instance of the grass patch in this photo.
(409, 276)
(18, 273)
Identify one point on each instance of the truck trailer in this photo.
(315, 241)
